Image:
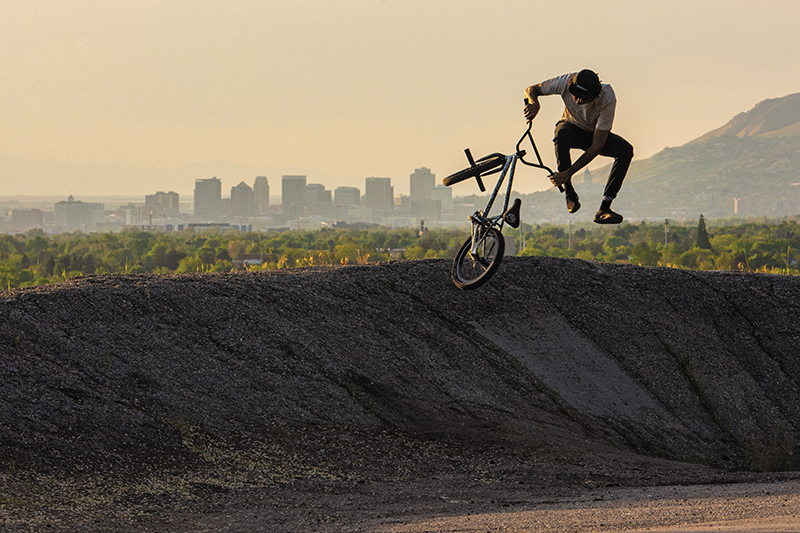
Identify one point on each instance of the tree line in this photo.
(35, 258)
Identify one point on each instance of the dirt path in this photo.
(463, 506)
(742, 507)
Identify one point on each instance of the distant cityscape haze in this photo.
(131, 98)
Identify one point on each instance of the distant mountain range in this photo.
(749, 167)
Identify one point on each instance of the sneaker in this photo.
(607, 216)
(573, 204)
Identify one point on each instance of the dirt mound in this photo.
(693, 366)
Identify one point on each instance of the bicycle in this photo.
(481, 254)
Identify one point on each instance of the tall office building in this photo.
(319, 200)
(242, 200)
(379, 193)
(208, 199)
(76, 215)
(293, 196)
(444, 195)
(347, 196)
(422, 183)
(261, 195)
(25, 219)
(162, 204)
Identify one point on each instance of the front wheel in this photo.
(473, 270)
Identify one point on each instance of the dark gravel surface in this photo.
(366, 397)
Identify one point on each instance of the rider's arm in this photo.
(534, 91)
(598, 141)
(532, 94)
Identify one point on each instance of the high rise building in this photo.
(318, 200)
(76, 215)
(422, 183)
(242, 200)
(25, 219)
(261, 195)
(208, 199)
(162, 204)
(293, 196)
(443, 194)
(379, 193)
(441, 204)
(347, 196)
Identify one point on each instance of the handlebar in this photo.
(494, 163)
(521, 153)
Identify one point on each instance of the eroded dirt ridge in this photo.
(695, 366)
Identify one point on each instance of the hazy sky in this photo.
(130, 97)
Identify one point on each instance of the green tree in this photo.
(702, 235)
(207, 255)
(645, 254)
(189, 265)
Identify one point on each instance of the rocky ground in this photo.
(382, 398)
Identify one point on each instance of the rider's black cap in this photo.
(585, 85)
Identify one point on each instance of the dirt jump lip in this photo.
(687, 365)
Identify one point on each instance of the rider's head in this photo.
(585, 86)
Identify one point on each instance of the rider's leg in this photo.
(568, 136)
(622, 152)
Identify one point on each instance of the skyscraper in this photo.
(242, 200)
(208, 199)
(318, 200)
(379, 193)
(162, 204)
(422, 183)
(261, 195)
(347, 196)
(293, 196)
(71, 215)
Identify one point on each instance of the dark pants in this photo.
(568, 136)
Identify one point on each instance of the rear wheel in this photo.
(473, 270)
(481, 167)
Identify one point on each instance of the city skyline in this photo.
(300, 203)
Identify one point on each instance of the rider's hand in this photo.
(531, 110)
(560, 178)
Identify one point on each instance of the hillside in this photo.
(771, 119)
(754, 157)
(575, 371)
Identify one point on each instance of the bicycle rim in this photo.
(473, 270)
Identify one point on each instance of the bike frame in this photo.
(481, 223)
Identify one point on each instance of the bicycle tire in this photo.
(470, 272)
(472, 172)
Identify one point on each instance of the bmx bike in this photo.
(480, 255)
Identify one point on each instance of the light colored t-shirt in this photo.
(599, 113)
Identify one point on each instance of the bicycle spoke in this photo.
(471, 269)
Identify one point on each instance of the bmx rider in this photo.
(589, 107)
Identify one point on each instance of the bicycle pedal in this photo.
(511, 216)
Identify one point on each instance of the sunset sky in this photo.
(128, 97)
